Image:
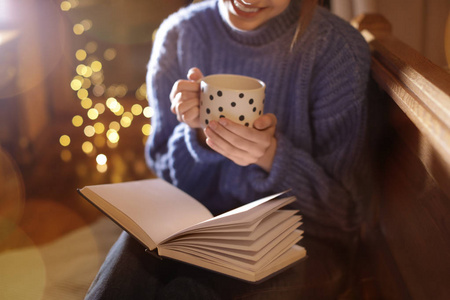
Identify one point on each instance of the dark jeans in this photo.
(130, 273)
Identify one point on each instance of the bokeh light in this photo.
(89, 131)
(86, 84)
(111, 145)
(136, 109)
(87, 24)
(74, 3)
(86, 103)
(148, 112)
(101, 159)
(96, 66)
(87, 147)
(91, 47)
(121, 90)
(146, 129)
(64, 140)
(97, 78)
(81, 69)
(77, 121)
(89, 84)
(113, 136)
(76, 83)
(78, 29)
(82, 93)
(111, 102)
(87, 72)
(114, 125)
(81, 54)
(102, 168)
(99, 128)
(98, 90)
(110, 54)
(120, 111)
(99, 141)
(65, 6)
(141, 92)
(126, 119)
(66, 155)
(92, 114)
(100, 107)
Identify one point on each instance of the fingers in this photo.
(190, 85)
(186, 111)
(241, 136)
(215, 142)
(228, 139)
(184, 86)
(184, 98)
(239, 143)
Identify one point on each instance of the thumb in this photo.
(194, 74)
(265, 121)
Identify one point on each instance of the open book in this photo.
(251, 242)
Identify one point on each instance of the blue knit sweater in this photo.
(317, 92)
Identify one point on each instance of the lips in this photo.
(244, 10)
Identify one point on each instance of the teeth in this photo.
(244, 8)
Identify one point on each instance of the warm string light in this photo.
(88, 84)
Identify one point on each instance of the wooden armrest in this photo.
(406, 234)
(420, 88)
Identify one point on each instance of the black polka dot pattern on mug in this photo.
(241, 107)
(237, 98)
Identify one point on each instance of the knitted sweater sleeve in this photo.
(327, 179)
(172, 150)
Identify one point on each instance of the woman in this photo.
(311, 139)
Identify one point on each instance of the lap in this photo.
(130, 273)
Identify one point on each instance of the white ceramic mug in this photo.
(236, 97)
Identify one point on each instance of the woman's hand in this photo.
(242, 144)
(185, 98)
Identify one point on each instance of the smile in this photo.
(244, 8)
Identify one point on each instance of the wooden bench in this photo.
(405, 240)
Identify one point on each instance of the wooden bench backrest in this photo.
(407, 232)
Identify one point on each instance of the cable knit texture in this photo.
(317, 92)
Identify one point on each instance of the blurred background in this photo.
(73, 107)
(73, 112)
